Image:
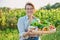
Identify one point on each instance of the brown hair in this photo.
(30, 5)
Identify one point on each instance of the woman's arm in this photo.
(21, 29)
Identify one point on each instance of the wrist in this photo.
(25, 34)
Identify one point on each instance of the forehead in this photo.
(29, 6)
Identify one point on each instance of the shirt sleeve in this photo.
(20, 27)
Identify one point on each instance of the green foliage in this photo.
(10, 18)
(9, 34)
(57, 23)
(54, 6)
(50, 15)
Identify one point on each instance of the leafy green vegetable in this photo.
(35, 23)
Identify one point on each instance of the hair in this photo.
(30, 5)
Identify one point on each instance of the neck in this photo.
(30, 18)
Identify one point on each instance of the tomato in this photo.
(52, 27)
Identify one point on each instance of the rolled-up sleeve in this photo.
(20, 27)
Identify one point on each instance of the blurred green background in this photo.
(9, 18)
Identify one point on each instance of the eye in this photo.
(29, 8)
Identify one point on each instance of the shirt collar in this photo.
(26, 17)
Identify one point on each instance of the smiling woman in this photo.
(24, 23)
(30, 9)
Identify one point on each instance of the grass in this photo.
(9, 34)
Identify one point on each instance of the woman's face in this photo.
(29, 10)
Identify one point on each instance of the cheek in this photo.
(31, 11)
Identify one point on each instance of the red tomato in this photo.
(52, 27)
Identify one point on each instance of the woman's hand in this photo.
(32, 33)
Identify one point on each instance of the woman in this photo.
(24, 23)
